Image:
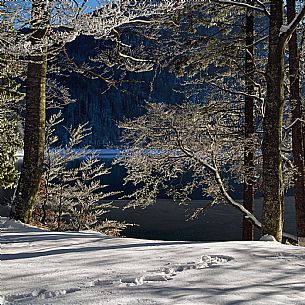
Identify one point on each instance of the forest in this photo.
(240, 66)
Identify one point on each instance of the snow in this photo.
(42, 267)
(284, 29)
(19, 154)
(267, 237)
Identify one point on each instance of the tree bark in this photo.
(248, 228)
(34, 132)
(297, 132)
(272, 215)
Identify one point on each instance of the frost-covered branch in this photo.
(287, 30)
(261, 8)
(177, 149)
(71, 189)
(170, 142)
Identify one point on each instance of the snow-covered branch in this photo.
(261, 8)
(178, 149)
(287, 30)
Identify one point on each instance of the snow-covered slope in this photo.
(41, 267)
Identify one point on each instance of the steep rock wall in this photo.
(103, 110)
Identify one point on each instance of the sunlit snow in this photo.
(42, 267)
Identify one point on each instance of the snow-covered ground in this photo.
(41, 267)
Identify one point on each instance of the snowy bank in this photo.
(41, 267)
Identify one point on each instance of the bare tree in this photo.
(170, 142)
(178, 149)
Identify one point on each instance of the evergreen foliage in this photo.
(71, 192)
(10, 69)
(9, 143)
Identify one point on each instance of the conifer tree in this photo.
(10, 139)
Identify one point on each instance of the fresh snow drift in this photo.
(42, 267)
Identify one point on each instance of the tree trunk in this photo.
(272, 215)
(297, 132)
(248, 228)
(34, 133)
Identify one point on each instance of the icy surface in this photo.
(41, 267)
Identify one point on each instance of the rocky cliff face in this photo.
(103, 110)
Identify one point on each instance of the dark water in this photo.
(168, 220)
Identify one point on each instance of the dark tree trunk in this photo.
(248, 229)
(34, 133)
(297, 132)
(272, 215)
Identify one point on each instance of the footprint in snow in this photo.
(168, 272)
(98, 282)
(37, 293)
